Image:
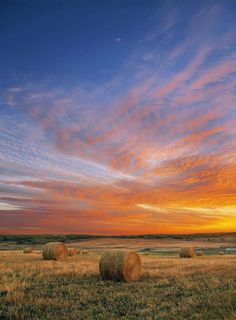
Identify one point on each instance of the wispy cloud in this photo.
(150, 150)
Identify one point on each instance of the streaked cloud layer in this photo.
(144, 145)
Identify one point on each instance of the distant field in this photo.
(155, 244)
(158, 246)
(170, 288)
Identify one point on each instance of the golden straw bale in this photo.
(200, 253)
(120, 265)
(72, 252)
(187, 252)
(221, 253)
(28, 250)
(55, 251)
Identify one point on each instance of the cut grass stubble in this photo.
(169, 288)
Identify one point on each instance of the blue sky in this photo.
(117, 113)
(53, 38)
(92, 41)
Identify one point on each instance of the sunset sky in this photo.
(117, 116)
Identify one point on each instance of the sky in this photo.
(117, 117)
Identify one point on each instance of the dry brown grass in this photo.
(169, 289)
(135, 244)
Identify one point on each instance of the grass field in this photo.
(170, 288)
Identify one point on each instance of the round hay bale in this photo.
(187, 252)
(221, 253)
(120, 265)
(200, 253)
(55, 251)
(72, 252)
(28, 250)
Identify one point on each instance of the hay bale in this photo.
(28, 250)
(187, 252)
(72, 252)
(120, 265)
(200, 253)
(221, 253)
(55, 251)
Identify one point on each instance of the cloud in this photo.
(148, 57)
(150, 150)
(7, 207)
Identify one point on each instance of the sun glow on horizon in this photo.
(122, 132)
